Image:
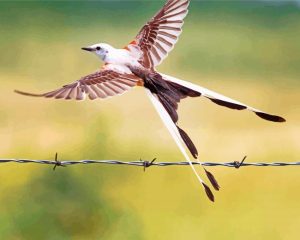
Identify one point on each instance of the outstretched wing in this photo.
(101, 84)
(158, 37)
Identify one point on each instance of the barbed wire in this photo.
(145, 164)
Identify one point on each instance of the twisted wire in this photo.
(145, 164)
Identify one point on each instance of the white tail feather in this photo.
(204, 91)
(216, 97)
(172, 129)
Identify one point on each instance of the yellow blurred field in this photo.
(247, 51)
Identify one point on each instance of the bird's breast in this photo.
(120, 68)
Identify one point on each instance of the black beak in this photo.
(88, 49)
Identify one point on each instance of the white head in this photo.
(100, 49)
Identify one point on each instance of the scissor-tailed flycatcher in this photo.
(134, 65)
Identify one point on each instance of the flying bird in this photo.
(134, 65)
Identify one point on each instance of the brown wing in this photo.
(158, 37)
(102, 84)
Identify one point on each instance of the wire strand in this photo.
(145, 164)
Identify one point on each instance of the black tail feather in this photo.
(188, 142)
(184, 91)
(169, 106)
(270, 117)
(208, 192)
(212, 180)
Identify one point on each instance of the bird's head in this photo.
(100, 49)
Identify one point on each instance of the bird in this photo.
(135, 66)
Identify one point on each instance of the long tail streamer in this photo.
(172, 128)
(223, 100)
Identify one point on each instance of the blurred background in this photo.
(247, 50)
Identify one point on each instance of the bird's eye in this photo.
(98, 48)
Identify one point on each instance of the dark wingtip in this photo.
(28, 94)
(270, 117)
(208, 192)
(212, 180)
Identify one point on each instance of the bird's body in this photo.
(119, 60)
(134, 65)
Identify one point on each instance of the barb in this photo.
(57, 163)
(146, 164)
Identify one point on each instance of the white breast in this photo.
(122, 57)
(120, 68)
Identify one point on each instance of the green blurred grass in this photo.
(248, 51)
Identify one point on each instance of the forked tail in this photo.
(166, 92)
(165, 96)
(173, 129)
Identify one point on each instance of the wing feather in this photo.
(158, 37)
(101, 84)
